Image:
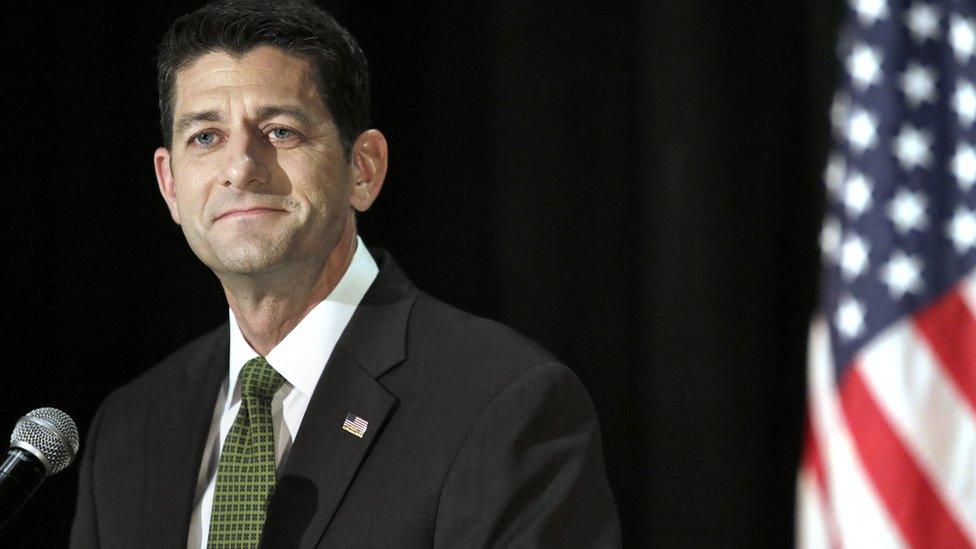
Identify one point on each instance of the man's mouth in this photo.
(248, 212)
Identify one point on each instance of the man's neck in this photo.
(266, 315)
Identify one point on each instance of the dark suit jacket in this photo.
(477, 438)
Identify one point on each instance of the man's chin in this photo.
(247, 260)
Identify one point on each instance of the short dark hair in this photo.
(298, 27)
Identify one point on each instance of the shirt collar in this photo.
(301, 356)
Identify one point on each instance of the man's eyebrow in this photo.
(187, 120)
(299, 114)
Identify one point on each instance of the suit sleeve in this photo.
(84, 528)
(530, 472)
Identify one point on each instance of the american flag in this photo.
(355, 425)
(890, 450)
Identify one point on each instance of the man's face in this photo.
(257, 176)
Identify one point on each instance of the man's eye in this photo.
(282, 133)
(204, 138)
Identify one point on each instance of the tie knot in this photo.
(259, 380)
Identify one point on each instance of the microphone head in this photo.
(50, 435)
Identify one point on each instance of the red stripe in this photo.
(950, 329)
(813, 461)
(909, 497)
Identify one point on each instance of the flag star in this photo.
(923, 21)
(962, 230)
(850, 318)
(830, 239)
(834, 174)
(964, 102)
(862, 130)
(902, 274)
(907, 211)
(912, 147)
(964, 166)
(869, 11)
(853, 257)
(918, 85)
(857, 194)
(864, 66)
(962, 36)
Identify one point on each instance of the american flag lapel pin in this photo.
(355, 425)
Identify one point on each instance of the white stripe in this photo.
(862, 519)
(812, 531)
(930, 416)
(968, 290)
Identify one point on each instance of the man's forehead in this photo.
(262, 72)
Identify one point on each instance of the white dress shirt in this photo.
(300, 358)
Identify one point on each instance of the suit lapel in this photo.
(178, 424)
(324, 458)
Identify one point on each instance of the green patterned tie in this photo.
(246, 469)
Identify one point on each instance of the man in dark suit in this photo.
(340, 406)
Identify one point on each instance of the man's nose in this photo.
(245, 163)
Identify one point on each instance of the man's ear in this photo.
(369, 163)
(164, 177)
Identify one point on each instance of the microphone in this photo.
(43, 443)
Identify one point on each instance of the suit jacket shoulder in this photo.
(173, 371)
(482, 352)
(511, 435)
(142, 451)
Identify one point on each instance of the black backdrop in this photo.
(634, 184)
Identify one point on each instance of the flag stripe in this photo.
(950, 329)
(812, 532)
(818, 529)
(968, 291)
(812, 459)
(904, 377)
(908, 495)
(857, 515)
